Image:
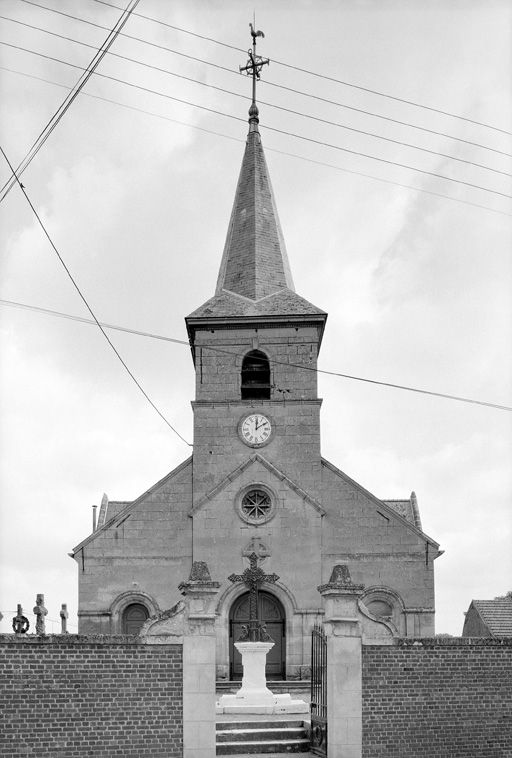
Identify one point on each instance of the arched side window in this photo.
(255, 376)
(134, 616)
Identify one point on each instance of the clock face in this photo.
(255, 429)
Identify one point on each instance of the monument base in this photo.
(254, 695)
(277, 704)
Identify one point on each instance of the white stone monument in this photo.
(254, 695)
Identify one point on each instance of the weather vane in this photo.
(253, 68)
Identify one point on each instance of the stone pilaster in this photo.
(344, 664)
(199, 664)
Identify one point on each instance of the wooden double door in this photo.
(271, 613)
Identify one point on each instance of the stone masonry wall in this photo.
(448, 697)
(73, 696)
(147, 550)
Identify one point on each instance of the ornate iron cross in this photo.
(253, 577)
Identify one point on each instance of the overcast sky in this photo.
(417, 285)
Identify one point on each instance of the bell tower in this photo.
(255, 345)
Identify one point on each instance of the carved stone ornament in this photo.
(256, 545)
(200, 572)
(40, 612)
(198, 580)
(341, 580)
(169, 623)
(64, 615)
(20, 623)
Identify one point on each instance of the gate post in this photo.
(344, 664)
(199, 664)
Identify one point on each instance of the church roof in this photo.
(496, 615)
(408, 509)
(255, 277)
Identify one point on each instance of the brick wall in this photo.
(451, 698)
(73, 696)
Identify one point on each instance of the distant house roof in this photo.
(496, 615)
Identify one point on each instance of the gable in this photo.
(343, 497)
(169, 496)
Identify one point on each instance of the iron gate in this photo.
(318, 691)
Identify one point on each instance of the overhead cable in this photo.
(267, 148)
(68, 100)
(309, 116)
(315, 73)
(270, 128)
(84, 300)
(267, 82)
(217, 349)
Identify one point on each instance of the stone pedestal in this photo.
(254, 695)
(254, 688)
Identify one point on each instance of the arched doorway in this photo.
(134, 616)
(271, 613)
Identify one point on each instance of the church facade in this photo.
(256, 482)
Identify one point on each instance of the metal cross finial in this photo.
(253, 577)
(253, 68)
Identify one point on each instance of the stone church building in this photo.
(256, 481)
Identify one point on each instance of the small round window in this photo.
(256, 506)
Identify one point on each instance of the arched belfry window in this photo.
(255, 376)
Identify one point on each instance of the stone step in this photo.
(263, 747)
(277, 686)
(261, 737)
(265, 734)
(260, 724)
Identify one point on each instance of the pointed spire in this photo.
(254, 263)
(254, 277)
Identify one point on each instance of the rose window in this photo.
(256, 506)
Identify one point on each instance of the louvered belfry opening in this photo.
(255, 376)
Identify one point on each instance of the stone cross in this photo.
(20, 623)
(64, 619)
(40, 612)
(253, 577)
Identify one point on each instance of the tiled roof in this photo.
(496, 615)
(408, 509)
(109, 509)
(282, 303)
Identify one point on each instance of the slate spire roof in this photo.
(255, 277)
(254, 263)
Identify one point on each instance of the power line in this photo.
(267, 82)
(309, 116)
(82, 296)
(270, 128)
(68, 100)
(316, 74)
(268, 149)
(217, 349)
